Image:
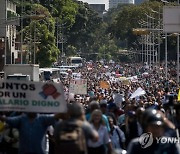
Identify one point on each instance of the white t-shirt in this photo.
(103, 137)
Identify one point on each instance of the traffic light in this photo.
(140, 31)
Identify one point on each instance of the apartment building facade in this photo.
(114, 3)
(8, 21)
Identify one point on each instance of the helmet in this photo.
(152, 117)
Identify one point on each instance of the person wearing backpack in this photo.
(70, 135)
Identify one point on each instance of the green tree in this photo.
(43, 31)
(40, 34)
(129, 17)
(81, 35)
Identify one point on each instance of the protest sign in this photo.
(118, 99)
(122, 78)
(104, 85)
(133, 78)
(126, 82)
(78, 86)
(179, 95)
(138, 92)
(29, 96)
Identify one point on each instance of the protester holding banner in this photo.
(32, 130)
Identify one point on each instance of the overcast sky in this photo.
(106, 2)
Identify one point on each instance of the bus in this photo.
(75, 61)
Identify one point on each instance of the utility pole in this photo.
(35, 43)
(166, 67)
(142, 48)
(178, 54)
(21, 44)
(159, 40)
(5, 39)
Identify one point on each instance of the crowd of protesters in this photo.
(112, 119)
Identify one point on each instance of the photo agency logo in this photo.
(146, 140)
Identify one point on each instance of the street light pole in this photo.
(153, 43)
(178, 55)
(159, 41)
(61, 39)
(147, 47)
(151, 22)
(5, 47)
(159, 34)
(166, 69)
(5, 38)
(150, 47)
(57, 38)
(178, 58)
(142, 48)
(35, 43)
(62, 43)
(153, 50)
(21, 32)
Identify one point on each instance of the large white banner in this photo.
(43, 97)
(133, 78)
(78, 86)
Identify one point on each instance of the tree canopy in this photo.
(76, 29)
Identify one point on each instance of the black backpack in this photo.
(71, 139)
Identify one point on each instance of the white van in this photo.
(49, 74)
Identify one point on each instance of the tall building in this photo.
(139, 1)
(99, 8)
(100, 2)
(114, 3)
(8, 21)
